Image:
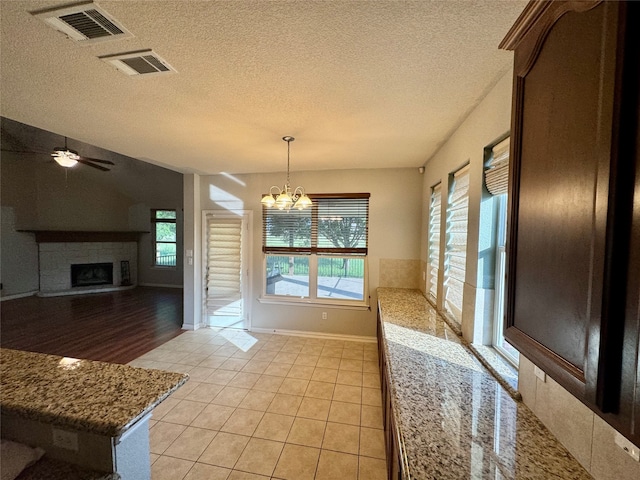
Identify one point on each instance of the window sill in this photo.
(300, 302)
(502, 370)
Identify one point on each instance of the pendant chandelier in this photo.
(283, 198)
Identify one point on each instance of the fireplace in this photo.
(90, 274)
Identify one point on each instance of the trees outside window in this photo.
(163, 223)
(319, 253)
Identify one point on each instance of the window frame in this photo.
(154, 243)
(498, 341)
(315, 252)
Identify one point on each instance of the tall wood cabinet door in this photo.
(561, 144)
(622, 322)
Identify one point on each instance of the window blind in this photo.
(496, 175)
(224, 266)
(335, 224)
(434, 238)
(456, 246)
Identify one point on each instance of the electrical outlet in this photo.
(627, 446)
(66, 440)
(540, 374)
(324, 315)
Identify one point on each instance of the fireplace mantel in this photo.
(70, 236)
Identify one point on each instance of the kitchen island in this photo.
(446, 417)
(87, 413)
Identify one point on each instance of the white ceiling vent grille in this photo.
(142, 62)
(84, 22)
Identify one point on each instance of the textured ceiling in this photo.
(360, 84)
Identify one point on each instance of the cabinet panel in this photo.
(557, 240)
(573, 288)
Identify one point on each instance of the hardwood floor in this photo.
(112, 327)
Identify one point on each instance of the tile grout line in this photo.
(298, 351)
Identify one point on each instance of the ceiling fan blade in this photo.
(88, 163)
(108, 162)
(22, 152)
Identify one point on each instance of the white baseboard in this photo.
(159, 285)
(18, 295)
(325, 336)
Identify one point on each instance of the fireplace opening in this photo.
(88, 274)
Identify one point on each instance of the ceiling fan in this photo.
(67, 158)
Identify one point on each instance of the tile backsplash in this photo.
(399, 273)
(587, 437)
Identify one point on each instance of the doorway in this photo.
(226, 248)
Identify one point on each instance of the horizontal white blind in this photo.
(342, 225)
(224, 266)
(496, 175)
(435, 218)
(456, 247)
(335, 224)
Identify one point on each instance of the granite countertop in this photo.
(97, 397)
(454, 420)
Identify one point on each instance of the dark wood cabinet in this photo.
(391, 440)
(573, 286)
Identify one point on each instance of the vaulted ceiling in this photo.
(360, 84)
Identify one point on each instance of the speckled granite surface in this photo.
(455, 421)
(97, 397)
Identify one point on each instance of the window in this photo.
(497, 182)
(455, 257)
(318, 255)
(434, 239)
(163, 231)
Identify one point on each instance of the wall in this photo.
(589, 438)
(488, 122)
(36, 193)
(18, 257)
(394, 237)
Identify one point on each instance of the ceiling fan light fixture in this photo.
(65, 157)
(282, 198)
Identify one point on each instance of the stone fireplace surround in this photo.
(59, 250)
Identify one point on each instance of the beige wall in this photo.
(488, 122)
(394, 236)
(38, 194)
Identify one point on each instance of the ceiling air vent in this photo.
(142, 62)
(83, 22)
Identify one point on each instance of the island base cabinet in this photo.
(128, 454)
(392, 446)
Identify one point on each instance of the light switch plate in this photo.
(540, 374)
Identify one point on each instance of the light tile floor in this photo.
(262, 406)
